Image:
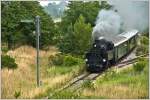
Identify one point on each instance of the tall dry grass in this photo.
(116, 91)
(125, 84)
(23, 78)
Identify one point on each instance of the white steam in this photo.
(135, 14)
(129, 15)
(107, 25)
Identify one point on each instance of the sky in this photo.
(45, 3)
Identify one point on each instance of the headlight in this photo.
(95, 45)
(86, 59)
(104, 60)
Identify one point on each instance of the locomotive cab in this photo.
(97, 58)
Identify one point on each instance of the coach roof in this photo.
(124, 37)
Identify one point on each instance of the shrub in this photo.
(17, 94)
(56, 60)
(142, 49)
(4, 50)
(8, 62)
(138, 67)
(143, 59)
(66, 60)
(144, 40)
(70, 60)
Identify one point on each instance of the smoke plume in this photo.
(108, 24)
(130, 15)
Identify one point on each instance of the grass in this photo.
(21, 82)
(61, 70)
(124, 84)
(65, 94)
(23, 78)
(115, 84)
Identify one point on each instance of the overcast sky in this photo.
(45, 3)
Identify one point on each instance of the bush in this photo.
(4, 49)
(17, 94)
(66, 60)
(138, 67)
(56, 60)
(8, 62)
(142, 49)
(70, 60)
(144, 40)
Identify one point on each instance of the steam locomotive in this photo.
(104, 53)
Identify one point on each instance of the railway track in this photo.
(76, 82)
(131, 61)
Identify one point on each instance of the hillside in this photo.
(127, 83)
(23, 79)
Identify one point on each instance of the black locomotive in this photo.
(105, 53)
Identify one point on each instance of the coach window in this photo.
(119, 51)
(110, 54)
(134, 40)
(132, 43)
(116, 53)
(122, 50)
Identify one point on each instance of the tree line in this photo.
(15, 33)
(71, 35)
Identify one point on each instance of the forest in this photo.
(62, 51)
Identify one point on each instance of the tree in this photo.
(105, 5)
(14, 32)
(89, 11)
(78, 38)
(67, 43)
(82, 35)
